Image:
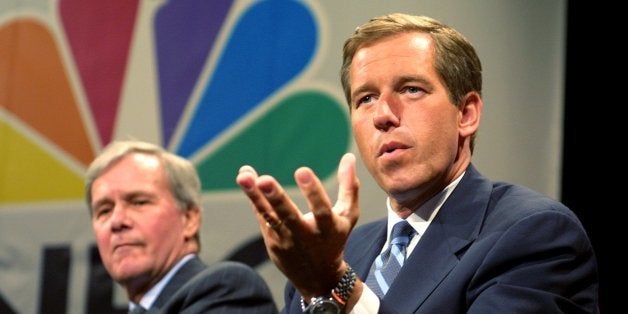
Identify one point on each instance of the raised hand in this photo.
(307, 248)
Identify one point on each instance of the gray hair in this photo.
(184, 181)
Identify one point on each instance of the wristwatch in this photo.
(334, 303)
(323, 305)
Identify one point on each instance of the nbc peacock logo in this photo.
(223, 83)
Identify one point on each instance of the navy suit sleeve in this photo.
(543, 263)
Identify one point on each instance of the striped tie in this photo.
(387, 265)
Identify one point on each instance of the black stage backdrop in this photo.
(590, 151)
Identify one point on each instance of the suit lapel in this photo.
(364, 245)
(452, 231)
(182, 276)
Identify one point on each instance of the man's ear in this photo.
(470, 113)
(192, 222)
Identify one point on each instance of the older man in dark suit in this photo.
(145, 205)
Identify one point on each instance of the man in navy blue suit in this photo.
(414, 89)
(145, 206)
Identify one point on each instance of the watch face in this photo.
(325, 306)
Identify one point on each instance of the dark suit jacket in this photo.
(224, 287)
(492, 248)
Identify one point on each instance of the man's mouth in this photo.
(391, 147)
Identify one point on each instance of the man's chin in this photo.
(128, 270)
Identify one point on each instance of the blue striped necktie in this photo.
(387, 265)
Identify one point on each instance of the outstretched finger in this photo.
(247, 180)
(280, 202)
(316, 197)
(348, 191)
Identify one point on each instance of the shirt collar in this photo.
(421, 218)
(149, 298)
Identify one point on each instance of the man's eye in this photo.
(139, 202)
(412, 89)
(100, 211)
(364, 100)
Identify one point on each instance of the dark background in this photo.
(591, 151)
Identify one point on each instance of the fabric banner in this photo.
(224, 83)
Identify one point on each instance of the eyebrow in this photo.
(412, 78)
(100, 202)
(361, 89)
(126, 197)
(397, 82)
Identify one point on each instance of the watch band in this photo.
(345, 285)
(341, 292)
